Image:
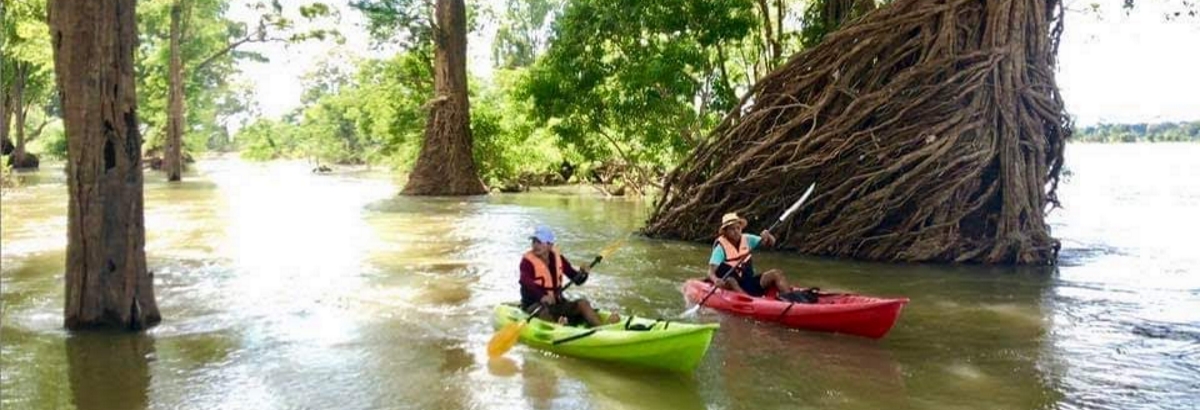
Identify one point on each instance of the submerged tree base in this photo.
(445, 165)
(933, 128)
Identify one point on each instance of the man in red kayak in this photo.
(731, 252)
(544, 272)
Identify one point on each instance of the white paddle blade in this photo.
(691, 311)
(799, 202)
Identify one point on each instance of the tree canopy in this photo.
(623, 91)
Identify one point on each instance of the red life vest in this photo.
(549, 281)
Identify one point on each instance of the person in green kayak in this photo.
(731, 252)
(544, 272)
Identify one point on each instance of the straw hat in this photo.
(730, 219)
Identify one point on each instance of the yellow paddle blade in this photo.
(504, 339)
(608, 250)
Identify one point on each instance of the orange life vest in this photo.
(547, 280)
(735, 255)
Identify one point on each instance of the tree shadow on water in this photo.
(109, 370)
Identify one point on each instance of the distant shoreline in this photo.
(1184, 131)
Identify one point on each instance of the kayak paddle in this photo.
(792, 209)
(506, 337)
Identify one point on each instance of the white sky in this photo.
(1112, 68)
(1136, 68)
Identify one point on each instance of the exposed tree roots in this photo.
(933, 128)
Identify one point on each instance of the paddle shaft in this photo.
(541, 305)
(570, 282)
(715, 287)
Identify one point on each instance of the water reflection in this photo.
(502, 366)
(783, 368)
(539, 384)
(549, 381)
(109, 371)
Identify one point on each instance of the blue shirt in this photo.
(718, 253)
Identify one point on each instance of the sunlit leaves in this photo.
(636, 81)
(524, 31)
(406, 22)
(371, 114)
(315, 10)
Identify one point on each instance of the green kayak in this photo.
(658, 344)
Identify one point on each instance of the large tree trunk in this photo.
(445, 165)
(173, 154)
(107, 283)
(934, 129)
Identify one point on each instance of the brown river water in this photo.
(281, 289)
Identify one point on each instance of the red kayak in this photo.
(834, 312)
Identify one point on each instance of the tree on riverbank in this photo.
(620, 114)
(935, 131)
(635, 84)
(445, 165)
(107, 283)
(202, 45)
(26, 79)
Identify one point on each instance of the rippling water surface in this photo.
(283, 289)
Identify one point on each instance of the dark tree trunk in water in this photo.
(933, 128)
(107, 283)
(20, 159)
(445, 165)
(6, 144)
(173, 154)
(18, 103)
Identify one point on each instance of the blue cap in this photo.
(543, 233)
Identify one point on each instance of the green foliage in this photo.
(267, 139)
(53, 143)
(373, 115)
(637, 81)
(27, 38)
(44, 130)
(206, 31)
(26, 49)
(588, 81)
(508, 142)
(209, 52)
(815, 28)
(405, 22)
(1140, 132)
(523, 32)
